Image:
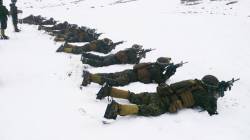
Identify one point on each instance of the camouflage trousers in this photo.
(14, 19)
(80, 50)
(150, 104)
(3, 23)
(119, 78)
(98, 61)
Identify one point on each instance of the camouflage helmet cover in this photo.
(163, 60)
(210, 81)
(107, 41)
(136, 46)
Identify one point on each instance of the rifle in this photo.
(224, 86)
(171, 68)
(117, 43)
(142, 53)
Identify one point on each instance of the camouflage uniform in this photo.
(3, 20)
(143, 72)
(77, 35)
(31, 19)
(14, 14)
(60, 26)
(103, 46)
(127, 56)
(39, 20)
(185, 94)
(168, 98)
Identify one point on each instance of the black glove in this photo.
(171, 69)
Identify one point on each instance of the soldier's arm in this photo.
(6, 11)
(211, 106)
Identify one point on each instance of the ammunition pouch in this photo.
(187, 99)
(175, 105)
(181, 95)
(164, 90)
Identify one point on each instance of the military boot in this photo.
(112, 110)
(16, 28)
(65, 48)
(40, 27)
(3, 36)
(84, 60)
(103, 92)
(86, 78)
(59, 39)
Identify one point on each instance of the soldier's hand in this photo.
(224, 85)
(213, 113)
(171, 69)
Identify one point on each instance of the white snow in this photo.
(39, 101)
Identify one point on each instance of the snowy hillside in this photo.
(39, 101)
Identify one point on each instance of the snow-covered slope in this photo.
(39, 101)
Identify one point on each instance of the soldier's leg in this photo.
(152, 109)
(141, 98)
(149, 104)
(77, 50)
(92, 62)
(120, 78)
(107, 90)
(68, 48)
(3, 27)
(113, 79)
(93, 56)
(89, 77)
(59, 39)
(14, 20)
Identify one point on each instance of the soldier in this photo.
(77, 35)
(157, 72)
(14, 12)
(168, 98)
(31, 19)
(3, 20)
(128, 56)
(60, 26)
(49, 21)
(103, 46)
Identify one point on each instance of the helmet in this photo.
(107, 41)
(163, 61)
(136, 46)
(210, 81)
(13, 1)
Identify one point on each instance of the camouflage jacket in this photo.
(129, 55)
(3, 12)
(188, 94)
(100, 46)
(13, 9)
(150, 73)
